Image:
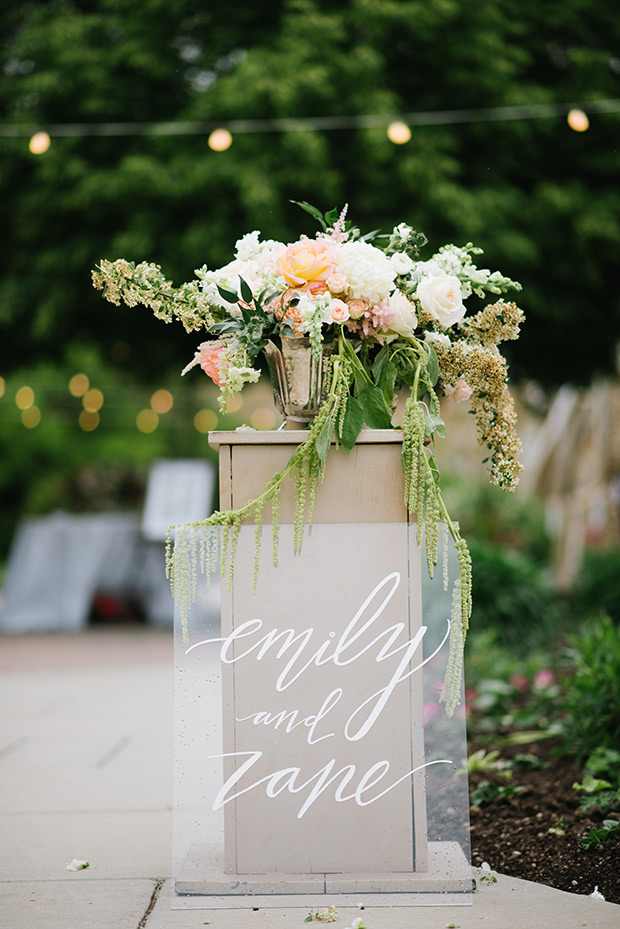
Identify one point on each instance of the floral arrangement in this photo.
(391, 321)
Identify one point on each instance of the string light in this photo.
(39, 143)
(147, 421)
(31, 417)
(317, 123)
(92, 400)
(578, 121)
(88, 420)
(24, 398)
(220, 140)
(78, 385)
(398, 132)
(162, 401)
(263, 418)
(205, 421)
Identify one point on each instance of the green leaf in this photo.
(324, 439)
(377, 414)
(388, 379)
(380, 360)
(332, 216)
(308, 919)
(433, 366)
(352, 423)
(246, 290)
(434, 469)
(228, 295)
(312, 210)
(434, 424)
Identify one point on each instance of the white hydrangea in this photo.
(367, 271)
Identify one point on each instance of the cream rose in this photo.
(405, 321)
(401, 263)
(441, 297)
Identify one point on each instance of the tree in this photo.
(536, 196)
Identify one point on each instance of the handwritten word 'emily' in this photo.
(341, 652)
(286, 779)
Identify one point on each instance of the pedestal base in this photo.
(448, 873)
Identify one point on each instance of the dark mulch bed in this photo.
(513, 835)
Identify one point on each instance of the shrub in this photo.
(592, 694)
(597, 588)
(512, 595)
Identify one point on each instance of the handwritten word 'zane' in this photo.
(287, 779)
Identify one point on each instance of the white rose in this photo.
(401, 263)
(437, 338)
(405, 320)
(441, 297)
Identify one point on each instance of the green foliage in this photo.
(512, 595)
(513, 521)
(597, 589)
(592, 696)
(600, 786)
(551, 222)
(486, 793)
(512, 696)
(597, 838)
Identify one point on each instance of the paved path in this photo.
(85, 772)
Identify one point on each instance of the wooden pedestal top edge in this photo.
(295, 437)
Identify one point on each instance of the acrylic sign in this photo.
(312, 755)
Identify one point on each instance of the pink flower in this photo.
(544, 678)
(459, 392)
(519, 682)
(208, 357)
(339, 311)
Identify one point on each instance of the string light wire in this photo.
(309, 124)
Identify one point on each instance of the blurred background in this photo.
(165, 131)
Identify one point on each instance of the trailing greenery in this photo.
(353, 399)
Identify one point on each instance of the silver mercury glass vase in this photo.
(299, 377)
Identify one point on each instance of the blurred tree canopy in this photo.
(541, 200)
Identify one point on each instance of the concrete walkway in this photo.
(85, 772)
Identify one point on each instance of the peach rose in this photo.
(292, 318)
(307, 264)
(336, 283)
(357, 308)
(339, 311)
